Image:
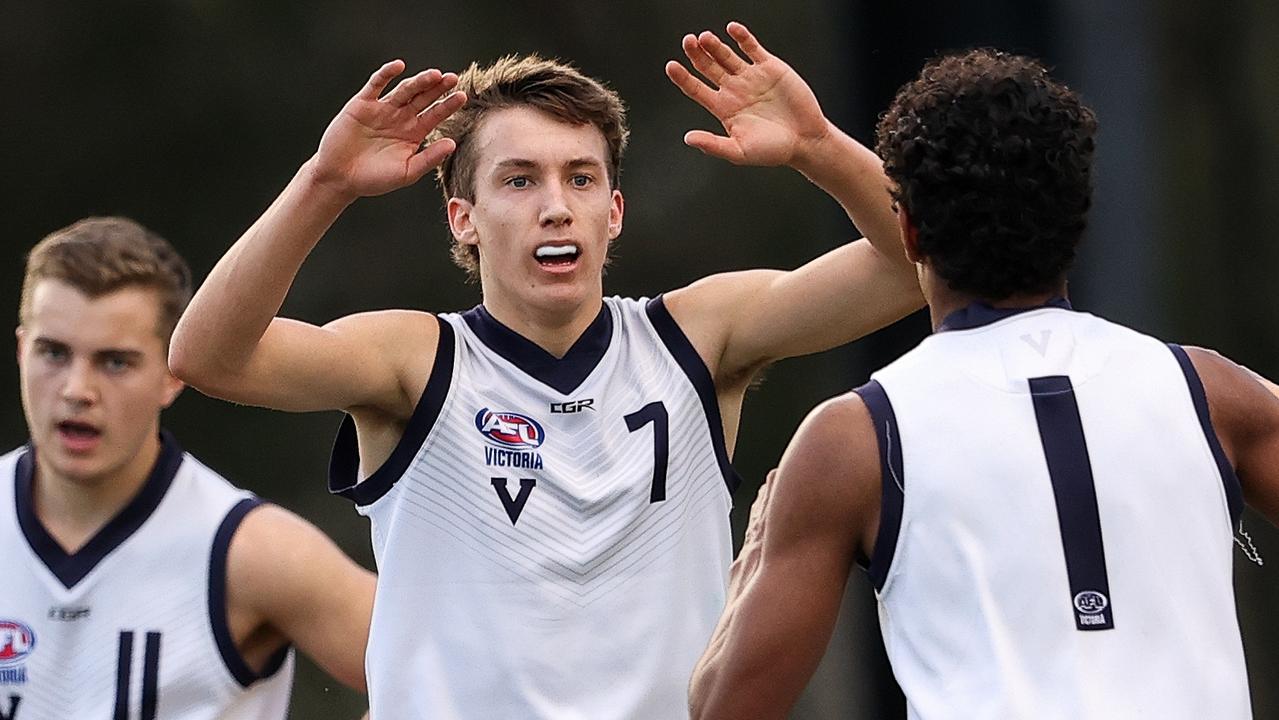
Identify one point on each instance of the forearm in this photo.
(233, 308)
(706, 689)
(852, 174)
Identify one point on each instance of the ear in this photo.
(21, 333)
(172, 388)
(909, 235)
(460, 222)
(615, 212)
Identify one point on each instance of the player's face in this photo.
(543, 213)
(94, 380)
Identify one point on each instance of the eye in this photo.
(519, 181)
(115, 364)
(582, 181)
(53, 353)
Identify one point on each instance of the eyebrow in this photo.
(523, 164)
(125, 353)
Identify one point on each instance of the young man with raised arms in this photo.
(547, 474)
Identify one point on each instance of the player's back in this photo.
(1058, 523)
(133, 625)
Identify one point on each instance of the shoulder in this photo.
(1240, 406)
(706, 310)
(831, 467)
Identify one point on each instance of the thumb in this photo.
(715, 145)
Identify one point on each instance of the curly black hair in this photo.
(992, 159)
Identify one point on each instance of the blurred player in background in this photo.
(1045, 501)
(137, 582)
(547, 474)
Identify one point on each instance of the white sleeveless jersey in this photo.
(133, 625)
(551, 535)
(1057, 525)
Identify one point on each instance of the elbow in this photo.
(184, 360)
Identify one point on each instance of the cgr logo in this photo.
(572, 406)
(509, 430)
(1090, 602)
(16, 642)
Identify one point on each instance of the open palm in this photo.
(769, 113)
(374, 144)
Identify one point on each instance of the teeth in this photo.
(547, 251)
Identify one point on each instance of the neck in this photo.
(942, 301)
(73, 510)
(553, 330)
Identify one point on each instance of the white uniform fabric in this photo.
(552, 535)
(980, 614)
(133, 625)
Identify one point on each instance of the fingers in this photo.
(429, 157)
(715, 146)
(702, 60)
(723, 54)
(696, 90)
(427, 96)
(379, 80)
(433, 115)
(747, 42)
(424, 82)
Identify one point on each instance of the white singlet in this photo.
(1057, 525)
(551, 535)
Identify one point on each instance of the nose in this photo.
(80, 387)
(555, 210)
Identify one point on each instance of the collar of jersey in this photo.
(71, 568)
(979, 314)
(563, 374)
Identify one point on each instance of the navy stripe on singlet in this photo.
(344, 462)
(690, 362)
(1229, 480)
(892, 480)
(1061, 433)
(218, 622)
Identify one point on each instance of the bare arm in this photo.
(807, 525)
(771, 117)
(1245, 414)
(288, 583)
(229, 342)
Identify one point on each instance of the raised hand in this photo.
(769, 113)
(374, 145)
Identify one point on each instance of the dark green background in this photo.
(190, 115)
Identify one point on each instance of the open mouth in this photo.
(556, 255)
(78, 431)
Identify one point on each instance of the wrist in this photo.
(816, 149)
(327, 187)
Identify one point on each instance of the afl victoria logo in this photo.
(509, 430)
(16, 642)
(1090, 602)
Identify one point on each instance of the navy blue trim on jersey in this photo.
(686, 356)
(70, 568)
(564, 374)
(123, 673)
(151, 676)
(344, 462)
(979, 314)
(1061, 432)
(218, 622)
(1234, 490)
(892, 480)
